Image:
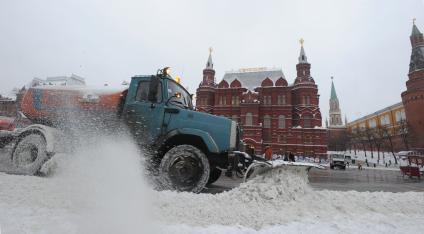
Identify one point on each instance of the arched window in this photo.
(307, 121)
(281, 121)
(235, 100)
(267, 121)
(249, 121)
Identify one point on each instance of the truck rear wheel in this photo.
(30, 154)
(184, 168)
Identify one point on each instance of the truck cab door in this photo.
(143, 115)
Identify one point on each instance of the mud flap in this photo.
(265, 167)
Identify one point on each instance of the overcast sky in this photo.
(364, 44)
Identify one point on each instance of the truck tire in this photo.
(184, 168)
(29, 154)
(214, 175)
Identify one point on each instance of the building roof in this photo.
(53, 79)
(394, 106)
(65, 78)
(251, 78)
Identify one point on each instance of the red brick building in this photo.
(413, 97)
(271, 111)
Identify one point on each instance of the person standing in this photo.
(268, 153)
(291, 157)
(286, 158)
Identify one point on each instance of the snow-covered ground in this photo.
(100, 190)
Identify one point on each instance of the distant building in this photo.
(389, 120)
(9, 106)
(72, 80)
(270, 111)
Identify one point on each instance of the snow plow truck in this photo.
(186, 149)
(190, 147)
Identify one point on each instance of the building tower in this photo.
(306, 112)
(205, 94)
(335, 113)
(413, 97)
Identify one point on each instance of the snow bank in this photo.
(286, 200)
(100, 189)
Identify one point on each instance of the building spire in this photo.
(333, 90)
(335, 113)
(417, 55)
(209, 64)
(302, 55)
(415, 30)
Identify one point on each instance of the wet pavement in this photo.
(368, 179)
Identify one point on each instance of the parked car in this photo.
(337, 161)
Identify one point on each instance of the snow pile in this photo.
(252, 204)
(284, 199)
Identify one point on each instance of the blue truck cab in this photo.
(186, 147)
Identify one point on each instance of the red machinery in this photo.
(47, 104)
(415, 162)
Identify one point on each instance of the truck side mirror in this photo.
(153, 89)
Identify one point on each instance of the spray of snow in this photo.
(105, 182)
(97, 189)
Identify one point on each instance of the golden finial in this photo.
(413, 20)
(210, 50)
(301, 41)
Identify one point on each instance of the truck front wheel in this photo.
(214, 175)
(184, 168)
(29, 154)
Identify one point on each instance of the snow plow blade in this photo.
(263, 167)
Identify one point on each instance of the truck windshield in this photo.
(184, 99)
(338, 156)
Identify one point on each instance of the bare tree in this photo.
(378, 139)
(369, 137)
(387, 135)
(362, 140)
(404, 133)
